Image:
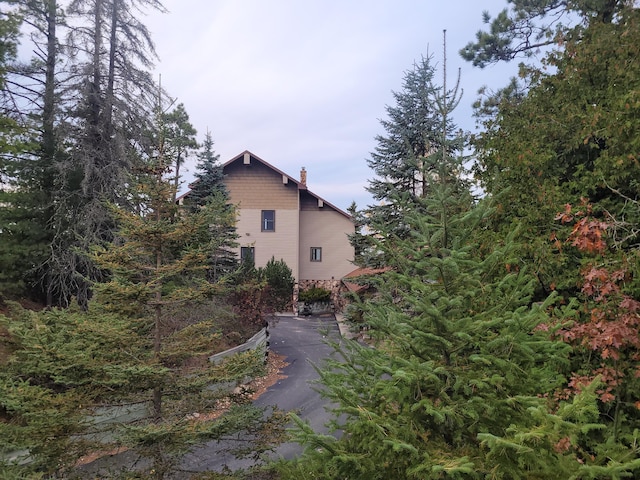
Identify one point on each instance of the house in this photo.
(278, 216)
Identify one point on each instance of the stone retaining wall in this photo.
(332, 285)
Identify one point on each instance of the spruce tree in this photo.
(209, 188)
(453, 382)
(209, 175)
(408, 158)
(455, 355)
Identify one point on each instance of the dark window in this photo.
(268, 220)
(316, 254)
(247, 253)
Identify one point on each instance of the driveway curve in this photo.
(304, 343)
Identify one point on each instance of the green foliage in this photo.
(222, 261)
(528, 26)
(421, 144)
(209, 175)
(179, 138)
(157, 267)
(455, 352)
(80, 220)
(23, 214)
(9, 28)
(259, 292)
(456, 355)
(314, 294)
(572, 136)
(279, 278)
(460, 377)
(209, 189)
(24, 240)
(62, 363)
(359, 239)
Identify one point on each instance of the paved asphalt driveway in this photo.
(302, 340)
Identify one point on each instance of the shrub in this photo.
(280, 279)
(315, 294)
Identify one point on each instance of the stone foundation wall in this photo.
(332, 285)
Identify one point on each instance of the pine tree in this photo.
(530, 26)
(179, 140)
(455, 357)
(28, 150)
(113, 96)
(158, 266)
(134, 344)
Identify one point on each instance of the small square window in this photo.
(247, 253)
(316, 254)
(268, 221)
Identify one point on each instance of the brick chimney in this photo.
(303, 177)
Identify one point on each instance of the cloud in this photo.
(306, 82)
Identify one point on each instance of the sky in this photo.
(305, 83)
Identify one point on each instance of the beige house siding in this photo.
(325, 228)
(256, 186)
(302, 220)
(281, 244)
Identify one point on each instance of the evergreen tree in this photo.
(529, 26)
(280, 282)
(209, 174)
(361, 242)
(132, 345)
(209, 188)
(111, 54)
(455, 357)
(409, 158)
(571, 136)
(457, 378)
(62, 370)
(61, 364)
(158, 267)
(9, 24)
(28, 151)
(82, 103)
(456, 364)
(179, 140)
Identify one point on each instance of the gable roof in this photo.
(300, 185)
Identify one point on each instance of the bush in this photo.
(315, 294)
(280, 279)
